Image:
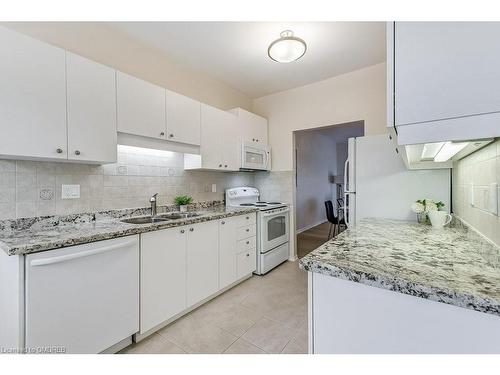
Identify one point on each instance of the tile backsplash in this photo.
(476, 180)
(29, 188)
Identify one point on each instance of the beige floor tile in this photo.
(241, 346)
(154, 344)
(299, 343)
(269, 313)
(269, 335)
(195, 336)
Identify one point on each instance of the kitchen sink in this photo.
(179, 215)
(145, 220)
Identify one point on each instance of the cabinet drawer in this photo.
(246, 231)
(246, 219)
(247, 262)
(246, 244)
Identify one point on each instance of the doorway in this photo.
(320, 155)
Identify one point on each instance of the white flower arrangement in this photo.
(424, 206)
(417, 207)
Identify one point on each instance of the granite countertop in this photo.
(25, 236)
(452, 265)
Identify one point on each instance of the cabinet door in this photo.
(140, 107)
(227, 252)
(230, 145)
(183, 118)
(446, 70)
(163, 276)
(91, 110)
(32, 98)
(247, 262)
(202, 263)
(252, 127)
(211, 133)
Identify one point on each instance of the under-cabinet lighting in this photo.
(449, 150)
(430, 150)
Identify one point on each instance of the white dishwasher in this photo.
(82, 298)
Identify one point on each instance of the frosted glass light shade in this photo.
(286, 49)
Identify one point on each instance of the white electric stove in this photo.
(273, 226)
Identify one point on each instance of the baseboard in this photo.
(311, 226)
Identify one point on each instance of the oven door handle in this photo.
(275, 213)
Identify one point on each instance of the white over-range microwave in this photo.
(255, 157)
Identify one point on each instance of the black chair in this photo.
(333, 219)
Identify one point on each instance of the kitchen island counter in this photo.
(453, 265)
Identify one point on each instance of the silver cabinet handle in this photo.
(162, 134)
(223, 222)
(225, 166)
(248, 230)
(59, 150)
(77, 152)
(248, 242)
(220, 165)
(182, 230)
(171, 136)
(248, 255)
(248, 217)
(191, 229)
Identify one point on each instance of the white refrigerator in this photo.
(377, 183)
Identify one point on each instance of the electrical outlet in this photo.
(70, 192)
(214, 188)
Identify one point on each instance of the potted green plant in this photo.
(182, 201)
(423, 206)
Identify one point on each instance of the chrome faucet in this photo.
(152, 200)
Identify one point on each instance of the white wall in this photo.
(359, 95)
(102, 44)
(316, 166)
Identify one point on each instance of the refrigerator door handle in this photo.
(346, 184)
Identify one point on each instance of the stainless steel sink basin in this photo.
(145, 220)
(179, 215)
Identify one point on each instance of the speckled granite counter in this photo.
(32, 235)
(454, 265)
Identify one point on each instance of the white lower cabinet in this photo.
(227, 252)
(82, 299)
(163, 276)
(182, 266)
(246, 263)
(202, 261)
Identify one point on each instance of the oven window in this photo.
(254, 158)
(276, 227)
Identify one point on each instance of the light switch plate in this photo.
(70, 192)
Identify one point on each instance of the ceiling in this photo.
(236, 52)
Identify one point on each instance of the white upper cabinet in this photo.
(443, 80)
(91, 102)
(251, 127)
(183, 118)
(219, 146)
(32, 98)
(140, 107)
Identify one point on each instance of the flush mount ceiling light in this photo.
(288, 48)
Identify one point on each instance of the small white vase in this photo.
(183, 208)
